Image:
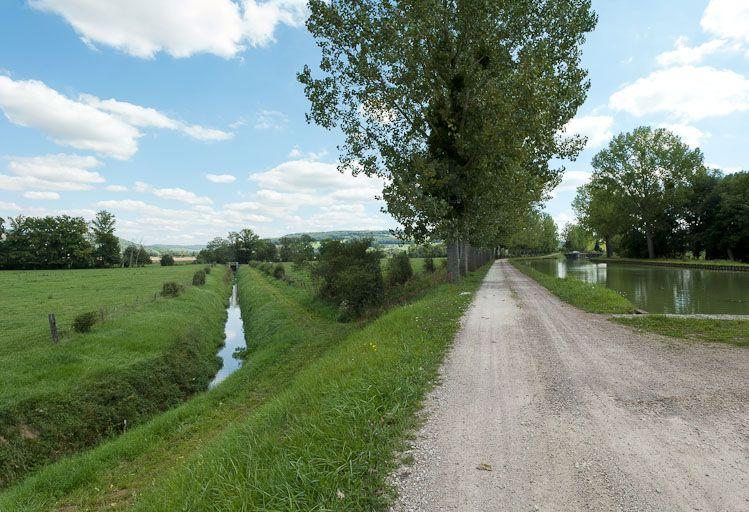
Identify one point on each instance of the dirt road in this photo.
(544, 407)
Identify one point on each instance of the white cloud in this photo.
(221, 178)
(146, 117)
(596, 128)
(45, 196)
(685, 54)
(571, 180)
(116, 188)
(31, 103)
(176, 194)
(9, 207)
(306, 175)
(726, 169)
(181, 28)
(691, 135)
(728, 19)
(57, 167)
(687, 93)
(51, 172)
(295, 152)
(271, 120)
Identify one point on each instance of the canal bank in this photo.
(730, 267)
(658, 288)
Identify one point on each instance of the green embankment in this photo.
(142, 359)
(586, 296)
(732, 332)
(312, 421)
(705, 264)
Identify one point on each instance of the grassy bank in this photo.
(312, 421)
(732, 332)
(715, 264)
(58, 399)
(586, 296)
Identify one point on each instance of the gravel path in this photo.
(545, 407)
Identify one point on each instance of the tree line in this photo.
(651, 195)
(245, 246)
(57, 242)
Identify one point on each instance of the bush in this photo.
(279, 272)
(198, 279)
(399, 269)
(172, 289)
(349, 275)
(429, 265)
(266, 267)
(84, 321)
(167, 260)
(207, 270)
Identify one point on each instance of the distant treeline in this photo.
(59, 242)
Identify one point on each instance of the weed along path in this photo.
(545, 407)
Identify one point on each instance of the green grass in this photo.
(732, 332)
(586, 296)
(144, 358)
(319, 410)
(675, 262)
(32, 365)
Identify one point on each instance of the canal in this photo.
(661, 289)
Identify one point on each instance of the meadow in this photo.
(146, 354)
(313, 420)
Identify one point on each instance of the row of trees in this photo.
(59, 242)
(245, 246)
(536, 235)
(457, 105)
(651, 195)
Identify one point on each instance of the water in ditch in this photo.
(234, 332)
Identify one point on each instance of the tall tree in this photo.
(458, 104)
(647, 172)
(106, 244)
(599, 212)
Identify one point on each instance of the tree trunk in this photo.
(730, 254)
(651, 246)
(464, 263)
(609, 248)
(453, 262)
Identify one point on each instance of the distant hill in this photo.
(164, 248)
(381, 237)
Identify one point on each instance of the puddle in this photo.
(234, 332)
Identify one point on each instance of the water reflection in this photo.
(661, 289)
(234, 332)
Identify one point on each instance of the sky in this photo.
(185, 118)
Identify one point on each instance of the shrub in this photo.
(171, 289)
(198, 279)
(84, 321)
(266, 267)
(429, 265)
(348, 274)
(279, 272)
(167, 260)
(207, 270)
(399, 269)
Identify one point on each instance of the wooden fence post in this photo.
(53, 328)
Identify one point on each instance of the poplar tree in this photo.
(457, 104)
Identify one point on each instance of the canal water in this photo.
(234, 332)
(661, 289)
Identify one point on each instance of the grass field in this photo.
(732, 332)
(147, 355)
(312, 421)
(586, 296)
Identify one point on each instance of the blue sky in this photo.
(185, 119)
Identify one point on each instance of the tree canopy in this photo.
(457, 104)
